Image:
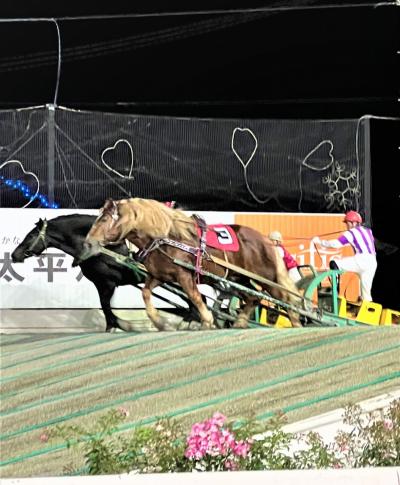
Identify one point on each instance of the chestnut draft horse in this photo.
(145, 221)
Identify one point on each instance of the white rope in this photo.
(58, 63)
(61, 154)
(93, 162)
(282, 8)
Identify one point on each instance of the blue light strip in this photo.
(26, 192)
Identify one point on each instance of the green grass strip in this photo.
(331, 395)
(86, 357)
(218, 372)
(147, 421)
(44, 343)
(193, 341)
(54, 353)
(259, 387)
(150, 370)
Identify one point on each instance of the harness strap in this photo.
(142, 254)
(40, 237)
(197, 252)
(202, 225)
(160, 242)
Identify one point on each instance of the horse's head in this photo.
(105, 230)
(34, 243)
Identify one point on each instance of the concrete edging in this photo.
(329, 423)
(361, 476)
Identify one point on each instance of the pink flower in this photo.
(230, 465)
(123, 411)
(210, 439)
(241, 448)
(196, 428)
(388, 424)
(218, 418)
(44, 437)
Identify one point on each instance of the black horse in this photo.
(67, 233)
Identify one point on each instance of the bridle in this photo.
(40, 237)
(114, 218)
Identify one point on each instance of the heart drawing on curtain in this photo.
(119, 159)
(30, 179)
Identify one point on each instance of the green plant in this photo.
(317, 454)
(156, 449)
(103, 453)
(374, 440)
(215, 444)
(270, 449)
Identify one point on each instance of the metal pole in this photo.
(367, 175)
(259, 294)
(50, 151)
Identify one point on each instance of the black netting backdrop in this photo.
(78, 159)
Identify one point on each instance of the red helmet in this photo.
(352, 216)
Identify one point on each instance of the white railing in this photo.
(361, 476)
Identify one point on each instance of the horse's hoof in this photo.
(160, 324)
(183, 325)
(240, 324)
(194, 325)
(168, 327)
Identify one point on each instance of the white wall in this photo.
(22, 286)
(366, 476)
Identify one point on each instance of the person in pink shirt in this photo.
(363, 262)
(288, 259)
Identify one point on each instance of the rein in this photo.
(40, 237)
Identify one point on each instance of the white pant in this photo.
(365, 266)
(294, 274)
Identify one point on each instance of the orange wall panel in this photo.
(297, 231)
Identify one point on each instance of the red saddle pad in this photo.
(220, 236)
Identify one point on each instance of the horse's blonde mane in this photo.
(154, 219)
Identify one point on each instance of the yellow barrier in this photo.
(390, 317)
(369, 312)
(281, 321)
